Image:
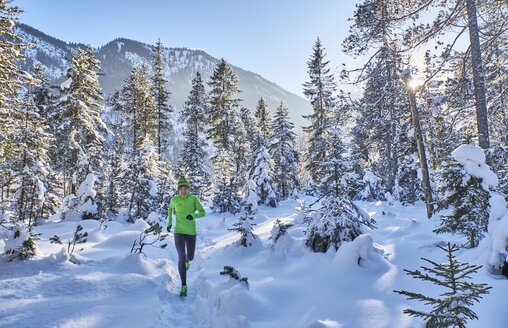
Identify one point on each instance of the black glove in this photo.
(168, 228)
(189, 217)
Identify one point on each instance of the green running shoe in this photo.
(183, 291)
(187, 265)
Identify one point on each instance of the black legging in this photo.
(181, 241)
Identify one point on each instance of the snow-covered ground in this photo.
(289, 286)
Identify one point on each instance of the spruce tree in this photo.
(12, 78)
(144, 166)
(452, 308)
(222, 118)
(252, 133)
(35, 197)
(225, 197)
(261, 173)
(264, 121)
(320, 91)
(223, 105)
(283, 152)
(161, 97)
(194, 157)
(469, 203)
(80, 143)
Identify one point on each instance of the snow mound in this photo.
(358, 253)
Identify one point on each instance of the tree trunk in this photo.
(421, 150)
(478, 77)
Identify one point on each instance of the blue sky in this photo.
(273, 38)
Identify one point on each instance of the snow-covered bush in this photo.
(244, 227)
(338, 220)
(279, 229)
(233, 274)
(79, 237)
(20, 243)
(467, 184)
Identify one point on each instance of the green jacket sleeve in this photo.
(170, 212)
(199, 208)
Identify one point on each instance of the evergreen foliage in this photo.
(337, 220)
(79, 237)
(319, 90)
(226, 198)
(194, 157)
(279, 229)
(264, 121)
(161, 98)
(453, 307)
(284, 155)
(261, 174)
(151, 236)
(232, 273)
(469, 204)
(223, 106)
(80, 129)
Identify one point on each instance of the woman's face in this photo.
(183, 191)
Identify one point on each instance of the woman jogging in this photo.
(187, 208)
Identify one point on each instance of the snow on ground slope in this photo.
(288, 285)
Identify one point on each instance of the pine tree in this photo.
(12, 78)
(469, 202)
(252, 133)
(261, 173)
(466, 184)
(144, 167)
(264, 121)
(226, 198)
(319, 90)
(337, 220)
(80, 127)
(250, 203)
(222, 117)
(452, 309)
(283, 152)
(241, 153)
(223, 106)
(161, 97)
(194, 157)
(35, 197)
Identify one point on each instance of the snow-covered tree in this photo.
(261, 173)
(194, 157)
(35, 196)
(453, 307)
(225, 196)
(12, 78)
(264, 121)
(252, 132)
(161, 97)
(283, 151)
(222, 117)
(320, 91)
(466, 184)
(223, 105)
(80, 129)
(338, 219)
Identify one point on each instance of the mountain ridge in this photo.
(121, 54)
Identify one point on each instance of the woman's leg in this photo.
(191, 246)
(180, 242)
